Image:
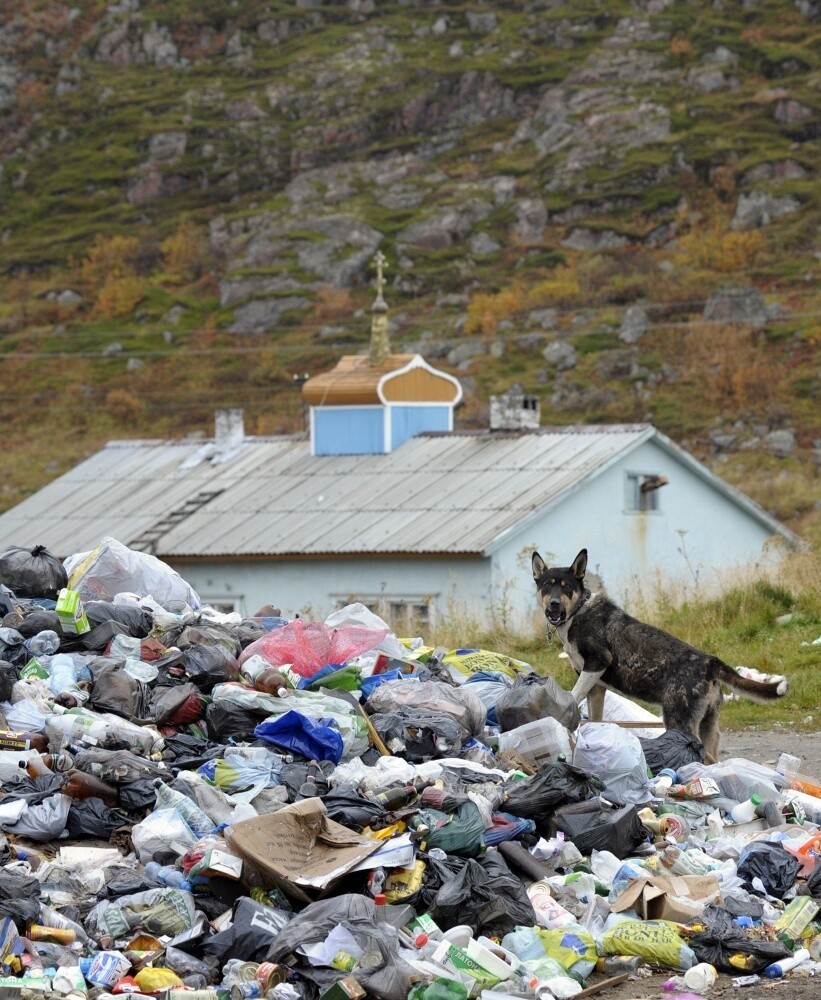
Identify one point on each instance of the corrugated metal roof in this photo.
(439, 493)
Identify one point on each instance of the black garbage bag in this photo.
(116, 691)
(248, 631)
(346, 806)
(723, 938)
(197, 631)
(555, 784)
(672, 749)
(437, 872)
(485, 894)
(598, 825)
(93, 818)
(225, 722)
(36, 620)
(771, 863)
(254, 929)
(533, 697)
(6, 600)
(19, 898)
(32, 572)
(136, 622)
(295, 774)
(171, 705)
(419, 735)
(136, 796)
(208, 666)
(8, 678)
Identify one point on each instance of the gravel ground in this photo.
(763, 747)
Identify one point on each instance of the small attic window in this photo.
(642, 490)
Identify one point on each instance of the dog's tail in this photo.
(763, 687)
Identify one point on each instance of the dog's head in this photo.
(560, 589)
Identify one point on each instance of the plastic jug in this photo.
(538, 741)
(745, 811)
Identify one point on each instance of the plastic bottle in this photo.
(777, 969)
(43, 644)
(744, 812)
(167, 875)
(664, 779)
(169, 798)
(616, 965)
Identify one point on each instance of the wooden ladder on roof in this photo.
(149, 539)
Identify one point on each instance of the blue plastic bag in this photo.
(315, 739)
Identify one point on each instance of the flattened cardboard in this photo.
(299, 849)
(668, 897)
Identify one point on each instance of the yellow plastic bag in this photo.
(153, 980)
(568, 945)
(656, 941)
(465, 662)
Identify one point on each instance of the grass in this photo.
(768, 620)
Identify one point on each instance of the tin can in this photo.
(746, 980)
(58, 935)
(246, 991)
(270, 974)
(247, 972)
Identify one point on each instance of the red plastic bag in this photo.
(309, 646)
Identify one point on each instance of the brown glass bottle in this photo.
(271, 681)
(80, 785)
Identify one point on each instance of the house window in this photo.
(405, 615)
(225, 605)
(642, 489)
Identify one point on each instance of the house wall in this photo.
(314, 588)
(348, 430)
(697, 537)
(411, 419)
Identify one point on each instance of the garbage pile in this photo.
(199, 805)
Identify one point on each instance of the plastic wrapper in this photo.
(489, 687)
(461, 704)
(674, 749)
(309, 646)
(615, 756)
(722, 938)
(486, 895)
(32, 572)
(533, 697)
(243, 774)
(112, 568)
(769, 864)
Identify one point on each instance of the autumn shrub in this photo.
(712, 249)
(118, 297)
(562, 288)
(123, 405)
(487, 309)
(185, 253)
(110, 257)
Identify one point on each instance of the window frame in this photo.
(636, 502)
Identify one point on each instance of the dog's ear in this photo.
(538, 565)
(579, 567)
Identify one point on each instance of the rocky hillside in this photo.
(611, 203)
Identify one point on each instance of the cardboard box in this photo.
(69, 609)
(299, 849)
(668, 897)
(344, 989)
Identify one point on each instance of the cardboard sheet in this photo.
(299, 849)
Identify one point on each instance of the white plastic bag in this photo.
(162, 836)
(615, 756)
(113, 568)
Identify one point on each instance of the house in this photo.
(384, 502)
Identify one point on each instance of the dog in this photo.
(610, 649)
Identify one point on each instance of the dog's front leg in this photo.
(588, 679)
